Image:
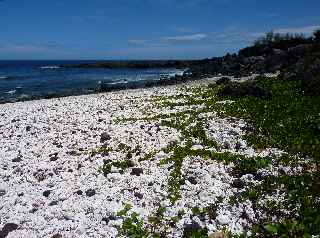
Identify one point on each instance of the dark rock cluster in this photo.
(7, 228)
(305, 69)
(136, 171)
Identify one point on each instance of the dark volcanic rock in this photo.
(72, 152)
(7, 228)
(53, 203)
(33, 210)
(306, 71)
(276, 60)
(17, 159)
(299, 50)
(54, 156)
(192, 180)
(190, 229)
(137, 64)
(40, 175)
(138, 195)
(57, 236)
(106, 220)
(238, 146)
(90, 192)
(2, 192)
(223, 80)
(46, 193)
(238, 183)
(311, 78)
(136, 171)
(110, 218)
(104, 137)
(244, 89)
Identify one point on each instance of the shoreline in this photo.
(106, 88)
(50, 165)
(103, 88)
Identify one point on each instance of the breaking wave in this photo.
(50, 67)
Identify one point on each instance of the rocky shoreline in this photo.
(108, 87)
(52, 152)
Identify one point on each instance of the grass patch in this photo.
(132, 225)
(301, 200)
(157, 222)
(104, 151)
(242, 164)
(210, 211)
(176, 178)
(288, 120)
(108, 164)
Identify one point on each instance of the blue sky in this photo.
(144, 29)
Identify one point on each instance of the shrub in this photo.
(223, 80)
(316, 35)
(244, 89)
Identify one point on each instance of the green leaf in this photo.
(271, 228)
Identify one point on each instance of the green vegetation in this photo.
(301, 193)
(132, 225)
(288, 120)
(148, 156)
(108, 164)
(196, 233)
(271, 37)
(123, 164)
(271, 40)
(176, 178)
(282, 112)
(210, 211)
(104, 151)
(157, 222)
(317, 36)
(128, 150)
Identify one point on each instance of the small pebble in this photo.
(90, 192)
(136, 171)
(46, 193)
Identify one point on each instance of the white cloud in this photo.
(194, 37)
(231, 36)
(183, 30)
(298, 30)
(146, 43)
(138, 42)
(25, 48)
(169, 40)
(36, 50)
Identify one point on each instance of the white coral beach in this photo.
(50, 184)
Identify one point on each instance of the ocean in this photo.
(21, 80)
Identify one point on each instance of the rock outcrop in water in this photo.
(136, 64)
